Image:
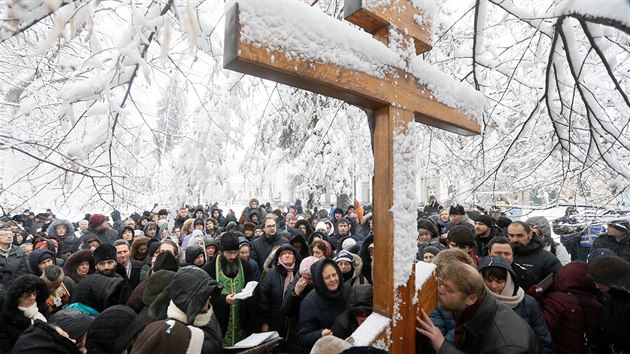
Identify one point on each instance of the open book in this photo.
(247, 291)
(255, 339)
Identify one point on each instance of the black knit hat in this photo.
(457, 210)
(485, 219)
(113, 330)
(104, 252)
(229, 242)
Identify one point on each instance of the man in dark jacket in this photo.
(616, 239)
(482, 325)
(532, 263)
(99, 227)
(485, 230)
(12, 259)
(262, 246)
(130, 268)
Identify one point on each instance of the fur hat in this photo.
(229, 242)
(457, 210)
(169, 336)
(248, 226)
(113, 330)
(166, 260)
(485, 219)
(104, 252)
(610, 271)
(96, 220)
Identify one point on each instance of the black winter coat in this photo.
(360, 302)
(100, 292)
(262, 246)
(291, 310)
(320, 308)
(532, 263)
(272, 293)
(495, 329)
(619, 245)
(41, 338)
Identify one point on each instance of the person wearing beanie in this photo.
(113, 331)
(598, 252)
(104, 258)
(25, 303)
(458, 217)
(541, 226)
(616, 239)
(350, 265)
(99, 228)
(193, 295)
(610, 275)
(429, 253)
(235, 316)
(296, 292)
(485, 230)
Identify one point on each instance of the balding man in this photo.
(482, 325)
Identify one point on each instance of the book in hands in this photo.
(255, 339)
(247, 291)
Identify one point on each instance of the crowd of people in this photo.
(170, 281)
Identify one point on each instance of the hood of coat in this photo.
(572, 278)
(52, 228)
(319, 284)
(190, 289)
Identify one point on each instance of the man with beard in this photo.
(532, 263)
(105, 262)
(235, 316)
(485, 230)
(481, 324)
(262, 246)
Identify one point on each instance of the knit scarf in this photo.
(463, 319)
(508, 296)
(32, 312)
(289, 278)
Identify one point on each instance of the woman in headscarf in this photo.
(321, 307)
(274, 286)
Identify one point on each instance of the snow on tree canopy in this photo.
(303, 32)
(618, 10)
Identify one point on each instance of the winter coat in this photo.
(482, 242)
(262, 246)
(320, 308)
(13, 265)
(432, 208)
(360, 302)
(13, 321)
(557, 249)
(613, 272)
(99, 292)
(297, 237)
(291, 310)
(190, 290)
(619, 245)
(466, 222)
(569, 309)
(494, 328)
(69, 243)
(42, 338)
(527, 308)
(355, 278)
(532, 263)
(272, 292)
(366, 270)
(108, 236)
(37, 256)
(445, 322)
(221, 219)
(156, 296)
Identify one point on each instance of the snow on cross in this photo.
(294, 44)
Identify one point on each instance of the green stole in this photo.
(235, 330)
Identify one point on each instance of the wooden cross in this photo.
(395, 98)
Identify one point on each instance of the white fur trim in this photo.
(174, 312)
(196, 340)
